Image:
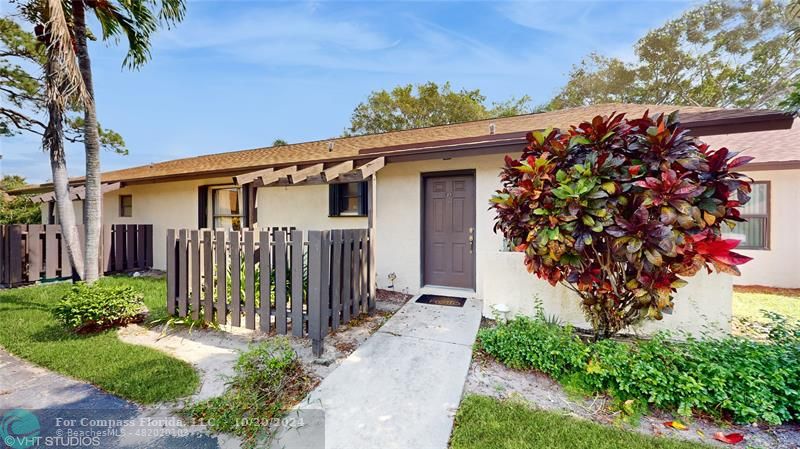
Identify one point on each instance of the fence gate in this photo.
(32, 253)
(306, 284)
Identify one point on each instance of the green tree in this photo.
(17, 209)
(792, 102)
(22, 95)
(428, 104)
(722, 53)
(279, 143)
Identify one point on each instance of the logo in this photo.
(19, 429)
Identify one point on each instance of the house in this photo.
(425, 192)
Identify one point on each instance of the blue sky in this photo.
(239, 74)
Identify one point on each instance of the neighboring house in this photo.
(426, 191)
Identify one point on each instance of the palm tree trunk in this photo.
(93, 202)
(54, 142)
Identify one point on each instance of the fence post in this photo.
(148, 246)
(171, 271)
(315, 291)
(372, 274)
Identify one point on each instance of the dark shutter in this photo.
(334, 194)
(245, 190)
(363, 192)
(202, 207)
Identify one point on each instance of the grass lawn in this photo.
(28, 330)
(487, 423)
(749, 301)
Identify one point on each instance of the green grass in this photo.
(145, 375)
(749, 302)
(487, 423)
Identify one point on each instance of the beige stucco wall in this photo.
(777, 266)
(164, 205)
(77, 207)
(703, 306)
(303, 206)
(500, 276)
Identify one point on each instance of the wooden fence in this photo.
(33, 253)
(314, 281)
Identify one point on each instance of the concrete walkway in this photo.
(51, 397)
(399, 390)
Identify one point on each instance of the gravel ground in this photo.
(489, 378)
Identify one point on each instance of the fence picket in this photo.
(356, 273)
(130, 246)
(249, 281)
(265, 271)
(222, 283)
(347, 277)
(280, 282)
(194, 259)
(183, 274)
(108, 247)
(148, 246)
(140, 245)
(171, 272)
(51, 251)
(297, 282)
(236, 280)
(208, 276)
(35, 253)
(325, 283)
(314, 291)
(336, 278)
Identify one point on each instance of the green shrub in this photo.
(732, 377)
(268, 380)
(534, 343)
(96, 307)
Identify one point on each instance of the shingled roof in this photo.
(343, 148)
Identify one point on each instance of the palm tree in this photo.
(63, 85)
(136, 20)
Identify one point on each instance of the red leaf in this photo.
(633, 170)
(741, 160)
(731, 438)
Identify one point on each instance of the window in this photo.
(126, 205)
(227, 208)
(754, 234)
(348, 200)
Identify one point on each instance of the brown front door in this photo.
(448, 231)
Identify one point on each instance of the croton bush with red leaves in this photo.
(620, 211)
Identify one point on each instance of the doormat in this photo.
(442, 300)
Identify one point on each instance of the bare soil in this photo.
(490, 378)
(767, 290)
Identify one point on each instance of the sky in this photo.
(240, 74)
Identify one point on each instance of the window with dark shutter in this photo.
(349, 199)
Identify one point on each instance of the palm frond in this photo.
(66, 83)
